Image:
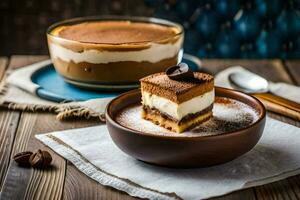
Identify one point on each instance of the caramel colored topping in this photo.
(115, 32)
(177, 91)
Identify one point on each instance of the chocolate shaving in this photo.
(180, 72)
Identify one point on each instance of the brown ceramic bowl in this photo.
(172, 151)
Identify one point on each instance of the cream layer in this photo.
(155, 53)
(178, 111)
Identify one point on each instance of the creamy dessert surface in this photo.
(228, 115)
(115, 32)
(102, 55)
(178, 111)
(105, 42)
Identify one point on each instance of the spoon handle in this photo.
(280, 105)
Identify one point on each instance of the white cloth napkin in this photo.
(280, 89)
(92, 151)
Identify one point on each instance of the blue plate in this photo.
(54, 88)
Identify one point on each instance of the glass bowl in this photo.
(88, 63)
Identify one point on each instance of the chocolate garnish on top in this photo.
(180, 72)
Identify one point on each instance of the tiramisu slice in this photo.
(178, 101)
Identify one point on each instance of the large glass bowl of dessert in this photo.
(113, 50)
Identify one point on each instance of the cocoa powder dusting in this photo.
(228, 115)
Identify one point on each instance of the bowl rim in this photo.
(261, 117)
(115, 18)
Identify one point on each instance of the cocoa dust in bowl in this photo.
(228, 115)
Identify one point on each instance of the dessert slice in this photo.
(179, 104)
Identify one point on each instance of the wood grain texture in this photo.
(3, 65)
(280, 101)
(48, 183)
(8, 127)
(280, 105)
(246, 194)
(9, 121)
(22, 183)
(293, 67)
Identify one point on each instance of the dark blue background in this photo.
(214, 28)
(234, 28)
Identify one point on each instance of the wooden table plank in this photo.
(25, 183)
(293, 66)
(10, 119)
(8, 127)
(40, 184)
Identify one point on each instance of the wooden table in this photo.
(64, 181)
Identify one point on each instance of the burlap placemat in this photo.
(18, 92)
